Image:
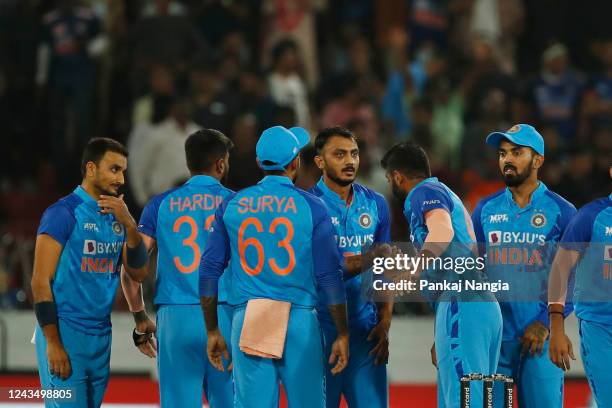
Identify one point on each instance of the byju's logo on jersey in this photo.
(365, 220)
(117, 228)
(335, 221)
(538, 220)
(89, 247)
(494, 237)
(495, 218)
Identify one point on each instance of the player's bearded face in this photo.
(341, 160)
(397, 192)
(515, 173)
(109, 174)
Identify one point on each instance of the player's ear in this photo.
(538, 161)
(90, 169)
(319, 162)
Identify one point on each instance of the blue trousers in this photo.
(301, 369)
(468, 339)
(184, 369)
(90, 361)
(596, 351)
(362, 383)
(539, 382)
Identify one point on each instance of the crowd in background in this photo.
(443, 73)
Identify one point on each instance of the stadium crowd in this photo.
(443, 73)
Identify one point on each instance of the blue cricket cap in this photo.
(278, 146)
(522, 135)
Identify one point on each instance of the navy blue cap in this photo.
(522, 135)
(278, 146)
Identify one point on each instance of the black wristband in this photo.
(140, 338)
(46, 313)
(137, 257)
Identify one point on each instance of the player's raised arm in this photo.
(214, 261)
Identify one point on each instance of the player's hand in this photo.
(59, 363)
(144, 325)
(217, 348)
(534, 338)
(434, 359)
(381, 349)
(117, 207)
(560, 350)
(339, 354)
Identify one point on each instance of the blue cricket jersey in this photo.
(87, 274)
(360, 224)
(280, 240)
(178, 220)
(593, 225)
(431, 194)
(501, 226)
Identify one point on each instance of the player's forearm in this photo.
(557, 318)
(51, 334)
(41, 289)
(339, 317)
(132, 236)
(559, 275)
(209, 309)
(132, 290)
(385, 311)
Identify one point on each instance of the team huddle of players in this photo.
(263, 286)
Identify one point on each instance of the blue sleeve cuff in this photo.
(334, 295)
(209, 287)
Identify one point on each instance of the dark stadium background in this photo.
(443, 73)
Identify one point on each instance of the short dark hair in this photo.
(204, 147)
(408, 158)
(97, 147)
(325, 134)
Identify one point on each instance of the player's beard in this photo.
(336, 178)
(515, 180)
(399, 195)
(104, 190)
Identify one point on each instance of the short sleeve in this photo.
(58, 222)
(579, 228)
(425, 199)
(148, 219)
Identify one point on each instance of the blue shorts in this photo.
(538, 381)
(301, 369)
(90, 362)
(468, 339)
(362, 383)
(184, 369)
(596, 351)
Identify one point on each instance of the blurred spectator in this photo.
(161, 83)
(214, 106)
(163, 35)
(598, 99)
(429, 20)
(160, 160)
(286, 86)
(577, 182)
(244, 170)
(555, 94)
(71, 38)
(292, 20)
(370, 173)
(256, 99)
(348, 106)
(447, 122)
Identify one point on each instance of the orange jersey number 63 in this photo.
(285, 243)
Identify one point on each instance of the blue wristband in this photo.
(137, 257)
(46, 313)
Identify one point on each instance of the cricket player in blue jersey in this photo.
(83, 239)
(280, 240)
(525, 215)
(467, 333)
(177, 222)
(587, 245)
(360, 217)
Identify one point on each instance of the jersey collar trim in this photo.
(535, 196)
(202, 180)
(87, 199)
(276, 179)
(328, 192)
